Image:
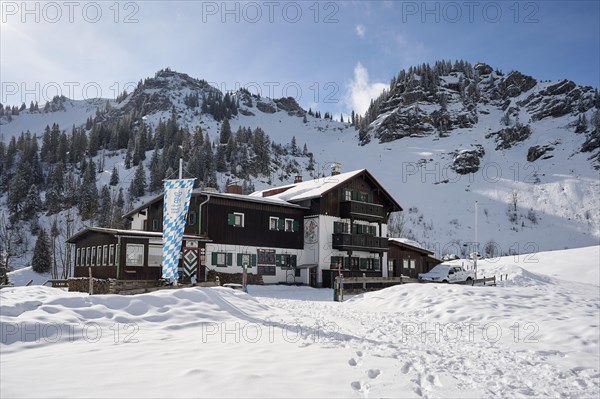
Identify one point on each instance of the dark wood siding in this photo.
(256, 230)
(94, 240)
(399, 253)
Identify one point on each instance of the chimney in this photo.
(234, 189)
(298, 179)
(335, 169)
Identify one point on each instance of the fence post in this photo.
(91, 286)
(365, 281)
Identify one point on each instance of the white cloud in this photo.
(360, 30)
(361, 91)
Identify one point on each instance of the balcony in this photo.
(359, 242)
(362, 211)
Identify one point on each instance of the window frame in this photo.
(150, 256)
(93, 256)
(78, 257)
(111, 255)
(273, 219)
(289, 223)
(105, 255)
(127, 255)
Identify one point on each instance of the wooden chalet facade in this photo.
(405, 258)
(298, 233)
(122, 254)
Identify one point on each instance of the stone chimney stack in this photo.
(234, 188)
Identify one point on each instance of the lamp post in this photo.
(476, 242)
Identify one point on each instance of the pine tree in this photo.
(88, 193)
(294, 146)
(105, 211)
(117, 221)
(41, 261)
(138, 184)
(225, 132)
(32, 203)
(114, 177)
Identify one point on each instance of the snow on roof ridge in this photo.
(310, 188)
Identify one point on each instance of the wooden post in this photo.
(365, 281)
(91, 289)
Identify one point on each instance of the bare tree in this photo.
(397, 225)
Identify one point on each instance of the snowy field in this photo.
(535, 335)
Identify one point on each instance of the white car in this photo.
(445, 273)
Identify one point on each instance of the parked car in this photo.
(450, 257)
(445, 273)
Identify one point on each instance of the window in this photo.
(266, 270)
(338, 261)
(273, 223)
(235, 219)
(413, 263)
(390, 268)
(346, 195)
(88, 256)
(134, 255)
(155, 225)
(297, 273)
(111, 254)
(93, 257)
(354, 263)
(105, 255)
(99, 258)
(341, 227)
(249, 259)
(192, 218)
(289, 225)
(286, 260)
(370, 264)
(78, 257)
(266, 257)
(154, 255)
(222, 259)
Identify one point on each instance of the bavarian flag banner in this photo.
(176, 203)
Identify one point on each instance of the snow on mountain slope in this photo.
(68, 113)
(415, 340)
(556, 195)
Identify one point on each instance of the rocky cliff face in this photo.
(442, 99)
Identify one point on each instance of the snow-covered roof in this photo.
(242, 197)
(122, 232)
(308, 189)
(410, 243)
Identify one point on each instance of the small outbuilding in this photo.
(408, 258)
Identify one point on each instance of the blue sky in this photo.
(332, 56)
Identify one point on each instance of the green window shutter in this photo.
(277, 260)
(363, 263)
(337, 227)
(229, 257)
(253, 262)
(376, 264)
(214, 258)
(239, 259)
(231, 219)
(296, 226)
(293, 260)
(281, 224)
(333, 260)
(346, 262)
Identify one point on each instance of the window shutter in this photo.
(239, 259)
(346, 263)
(277, 260)
(231, 219)
(229, 257)
(253, 261)
(281, 224)
(296, 226)
(363, 263)
(214, 258)
(376, 264)
(293, 261)
(337, 227)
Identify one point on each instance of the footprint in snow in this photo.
(405, 368)
(434, 380)
(373, 373)
(359, 353)
(352, 362)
